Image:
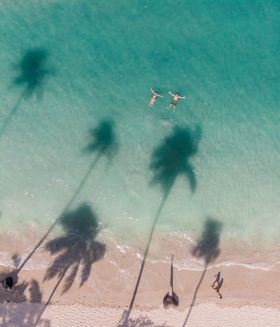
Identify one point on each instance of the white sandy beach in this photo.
(251, 294)
(202, 315)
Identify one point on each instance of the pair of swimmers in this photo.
(175, 99)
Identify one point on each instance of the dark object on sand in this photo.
(171, 298)
(218, 283)
(8, 283)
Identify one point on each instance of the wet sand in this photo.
(251, 292)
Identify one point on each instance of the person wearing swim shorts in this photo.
(175, 99)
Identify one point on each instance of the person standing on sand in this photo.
(154, 97)
(219, 287)
(216, 281)
(217, 284)
(175, 99)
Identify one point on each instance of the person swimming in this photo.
(154, 97)
(174, 100)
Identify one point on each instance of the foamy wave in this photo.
(199, 265)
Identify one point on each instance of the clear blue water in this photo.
(103, 57)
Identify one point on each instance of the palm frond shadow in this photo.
(169, 160)
(76, 250)
(77, 247)
(32, 72)
(142, 321)
(103, 139)
(14, 314)
(104, 143)
(172, 158)
(206, 248)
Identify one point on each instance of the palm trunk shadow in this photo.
(127, 313)
(195, 295)
(82, 183)
(49, 299)
(11, 114)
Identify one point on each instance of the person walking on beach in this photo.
(171, 297)
(220, 284)
(217, 284)
(175, 99)
(216, 281)
(154, 97)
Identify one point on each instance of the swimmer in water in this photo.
(154, 97)
(175, 99)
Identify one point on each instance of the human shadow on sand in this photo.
(20, 307)
(206, 248)
(32, 73)
(103, 143)
(170, 160)
(76, 250)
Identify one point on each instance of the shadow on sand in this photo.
(21, 306)
(170, 160)
(32, 73)
(104, 143)
(142, 321)
(207, 248)
(76, 250)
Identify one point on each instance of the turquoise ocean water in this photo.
(103, 57)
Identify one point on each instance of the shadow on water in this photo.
(12, 311)
(76, 250)
(104, 143)
(32, 73)
(206, 248)
(170, 160)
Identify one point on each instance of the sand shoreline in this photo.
(202, 315)
(246, 290)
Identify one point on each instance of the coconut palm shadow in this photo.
(207, 248)
(76, 250)
(14, 314)
(142, 321)
(104, 143)
(169, 160)
(32, 73)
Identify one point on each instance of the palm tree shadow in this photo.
(206, 248)
(77, 247)
(32, 72)
(13, 313)
(76, 250)
(103, 142)
(169, 160)
(142, 321)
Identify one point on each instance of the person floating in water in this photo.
(154, 97)
(217, 284)
(174, 100)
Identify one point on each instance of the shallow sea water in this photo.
(103, 57)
